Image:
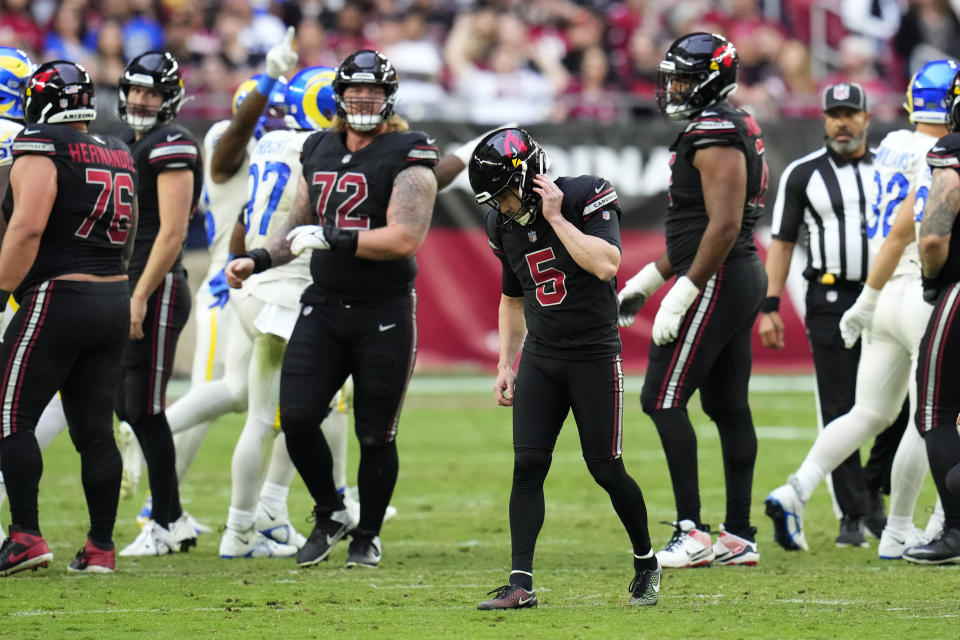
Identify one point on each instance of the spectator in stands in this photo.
(312, 45)
(18, 27)
(65, 40)
(589, 95)
(639, 75)
(419, 63)
(231, 23)
(350, 32)
(799, 97)
(929, 30)
(856, 64)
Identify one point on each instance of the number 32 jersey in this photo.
(900, 164)
(92, 213)
(570, 313)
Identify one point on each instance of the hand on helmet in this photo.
(282, 58)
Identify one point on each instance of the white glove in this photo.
(281, 57)
(308, 236)
(666, 326)
(464, 151)
(859, 318)
(636, 291)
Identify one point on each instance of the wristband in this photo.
(265, 85)
(3, 302)
(770, 304)
(342, 239)
(261, 260)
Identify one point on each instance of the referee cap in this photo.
(845, 94)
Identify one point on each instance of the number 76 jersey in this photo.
(900, 164)
(272, 190)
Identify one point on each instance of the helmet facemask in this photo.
(365, 68)
(367, 112)
(699, 70)
(155, 70)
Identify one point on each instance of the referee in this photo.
(825, 194)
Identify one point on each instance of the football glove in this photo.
(308, 236)
(859, 318)
(219, 289)
(636, 291)
(666, 326)
(281, 57)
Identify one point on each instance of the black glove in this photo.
(930, 289)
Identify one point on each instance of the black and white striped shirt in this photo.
(827, 196)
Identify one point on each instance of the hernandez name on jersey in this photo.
(351, 190)
(96, 187)
(570, 313)
(720, 125)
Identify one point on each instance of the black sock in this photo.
(22, 466)
(522, 580)
(155, 439)
(645, 564)
(376, 478)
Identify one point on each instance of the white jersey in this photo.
(226, 200)
(8, 131)
(900, 164)
(275, 172)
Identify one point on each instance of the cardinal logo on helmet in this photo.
(513, 146)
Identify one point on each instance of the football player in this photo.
(70, 230)
(891, 312)
(168, 162)
(559, 245)
(701, 333)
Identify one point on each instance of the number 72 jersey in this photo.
(899, 165)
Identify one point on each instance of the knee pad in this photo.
(606, 473)
(531, 465)
(298, 419)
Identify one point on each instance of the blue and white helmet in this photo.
(311, 105)
(927, 92)
(273, 116)
(15, 68)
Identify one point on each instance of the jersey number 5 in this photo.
(550, 288)
(353, 183)
(120, 185)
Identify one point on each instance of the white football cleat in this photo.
(277, 527)
(689, 547)
(132, 458)
(732, 549)
(893, 544)
(198, 527)
(184, 535)
(252, 544)
(935, 523)
(153, 540)
(785, 508)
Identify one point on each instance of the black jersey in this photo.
(570, 313)
(92, 213)
(719, 125)
(165, 148)
(946, 155)
(351, 190)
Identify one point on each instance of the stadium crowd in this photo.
(536, 61)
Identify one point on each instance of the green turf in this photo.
(449, 545)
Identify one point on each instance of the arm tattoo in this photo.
(301, 213)
(943, 204)
(412, 200)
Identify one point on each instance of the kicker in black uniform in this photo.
(559, 245)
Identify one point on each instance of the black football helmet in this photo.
(952, 104)
(158, 70)
(698, 70)
(365, 67)
(508, 159)
(59, 91)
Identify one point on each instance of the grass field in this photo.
(449, 545)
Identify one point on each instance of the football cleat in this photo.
(935, 523)
(132, 457)
(153, 540)
(876, 518)
(689, 546)
(252, 544)
(328, 530)
(277, 527)
(364, 551)
(893, 543)
(93, 559)
(645, 587)
(851, 533)
(23, 550)
(183, 532)
(735, 550)
(198, 528)
(944, 549)
(509, 596)
(785, 508)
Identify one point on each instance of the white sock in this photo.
(808, 476)
(899, 524)
(274, 497)
(335, 432)
(907, 474)
(239, 519)
(51, 423)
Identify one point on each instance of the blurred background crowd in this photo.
(491, 61)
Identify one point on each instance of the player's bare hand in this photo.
(770, 328)
(238, 270)
(138, 311)
(503, 387)
(550, 195)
